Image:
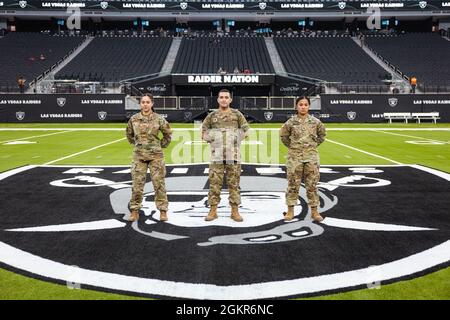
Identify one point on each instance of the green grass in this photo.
(391, 145)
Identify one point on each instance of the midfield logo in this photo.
(78, 216)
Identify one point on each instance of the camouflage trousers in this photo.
(233, 175)
(309, 172)
(157, 175)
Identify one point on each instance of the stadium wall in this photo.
(111, 107)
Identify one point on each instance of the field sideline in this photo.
(346, 144)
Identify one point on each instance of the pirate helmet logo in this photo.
(61, 102)
(342, 5)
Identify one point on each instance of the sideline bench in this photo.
(397, 116)
(425, 116)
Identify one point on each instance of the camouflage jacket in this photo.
(142, 132)
(302, 137)
(225, 131)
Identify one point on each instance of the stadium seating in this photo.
(21, 55)
(332, 59)
(208, 54)
(109, 59)
(424, 55)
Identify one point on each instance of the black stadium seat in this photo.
(114, 59)
(332, 59)
(208, 54)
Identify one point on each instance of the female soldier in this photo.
(142, 132)
(302, 134)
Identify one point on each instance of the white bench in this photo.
(425, 116)
(397, 116)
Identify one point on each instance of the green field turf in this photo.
(364, 144)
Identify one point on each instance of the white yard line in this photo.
(409, 136)
(365, 152)
(198, 129)
(84, 151)
(32, 137)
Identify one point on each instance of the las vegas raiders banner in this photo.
(370, 107)
(382, 224)
(226, 5)
(62, 108)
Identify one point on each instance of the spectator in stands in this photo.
(247, 71)
(413, 82)
(222, 71)
(42, 57)
(362, 39)
(21, 83)
(236, 70)
(302, 134)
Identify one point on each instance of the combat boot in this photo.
(163, 216)
(315, 215)
(134, 216)
(235, 214)
(289, 215)
(212, 214)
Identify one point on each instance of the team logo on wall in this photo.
(268, 115)
(102, 115)
(86, 225)
(104, 5)
(20, 115)
(342, 5)
(422, 4)
(262, 5)
(187, 116)
(351, 115)
(22, 4)
(183, 5)
(392, 102)
(61, 102)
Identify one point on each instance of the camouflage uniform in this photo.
(224, 131)
(142, 131)
(302, 137)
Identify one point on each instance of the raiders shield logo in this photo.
(370, 207)
(102, 115)
(268, 115)
(22, 4)
(183, 5)
(342, 5)
(422, 4)
(187, 116)
(20, 115)
(262, 5)
(104, 5)
(351, 115)
(61, 102)
(392, 102)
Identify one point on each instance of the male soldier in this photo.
(302, 134)
(142, 132)
(224, 129)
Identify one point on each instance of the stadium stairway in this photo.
(274, 56)
(51, 75)
(170, 59)
(395, 76)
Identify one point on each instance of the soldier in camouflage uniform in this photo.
(142, 132)
(302, 134)
(224, 129)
